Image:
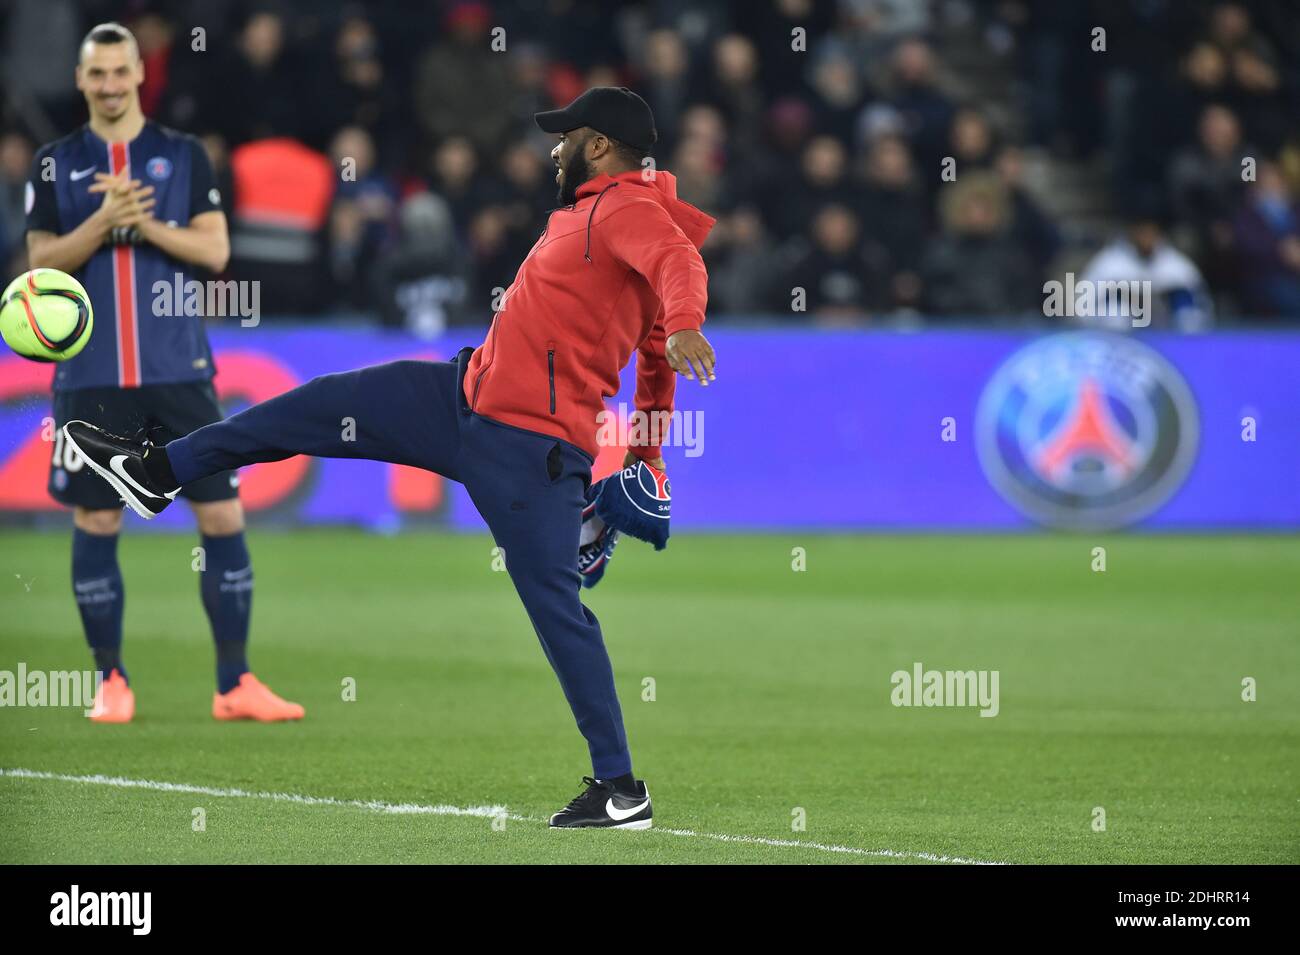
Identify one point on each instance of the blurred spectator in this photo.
(358, 91)
(278, 218)
(41, 46)
(602, 74)
(464, 88)
(256, 92)
(1143, 254)
(976, 268)
(529, 191)
(421, 282)
(735, 91)
(1251, 81)
(457, 179)
(1205, 73)
(823, 179)
(16, 154)
(771, 25)
(876, 24)
(1031, 228)
(153, 34)
(698, 168)
(361, 219)
(896, 220)
(703, 123)
(832, 272)
(840, 93)
(971, 141)
(1205, 185)
(701, 162)
(529, 69)
(1267, 232)
(767, 174)
(494, 260)
(1132, 83)
(742, 263)
(665, 83)
(925, 111)
(1055, 71)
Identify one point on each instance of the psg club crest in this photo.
(647, 490)
(159, 168)
(1086, 430)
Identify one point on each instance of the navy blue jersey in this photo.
(130, 345)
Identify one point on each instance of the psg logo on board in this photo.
(1086, 430)
(160, 167)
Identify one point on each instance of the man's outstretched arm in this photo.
(651, 244)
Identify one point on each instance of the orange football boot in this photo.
(115, 703)
(253, 700)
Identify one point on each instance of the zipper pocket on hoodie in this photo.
(550, 371)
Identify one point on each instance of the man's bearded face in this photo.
(572, 166)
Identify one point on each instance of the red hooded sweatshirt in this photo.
(617, 272)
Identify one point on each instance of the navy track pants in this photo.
(528, 487)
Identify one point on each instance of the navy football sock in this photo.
(159, 469)
(624, 784)
(226, 584)
(97, 586)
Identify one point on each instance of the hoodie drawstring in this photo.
(586, 253)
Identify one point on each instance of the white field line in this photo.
(406, 808)
(371, 805)
(823, 847)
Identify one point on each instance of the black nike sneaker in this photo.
(604, 807)
(120, 462)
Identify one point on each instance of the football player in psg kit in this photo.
(123, 203)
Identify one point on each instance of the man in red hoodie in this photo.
(616, 270)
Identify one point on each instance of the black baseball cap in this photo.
(613, 110)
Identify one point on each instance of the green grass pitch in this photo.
(1120, 690)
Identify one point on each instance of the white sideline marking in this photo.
(372, 805)
(407, 808)
(822, 847)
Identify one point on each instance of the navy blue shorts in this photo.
(175, 410)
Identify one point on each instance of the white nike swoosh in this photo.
(618, 815)
(80, 173)
(116, 464)
(233, 575)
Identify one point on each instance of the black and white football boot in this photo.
(604, 807)
(120, 462)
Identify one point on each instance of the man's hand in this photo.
(630, 459)
(689, 353)
(126, 202)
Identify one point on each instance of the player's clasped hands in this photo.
(689, 353)
(126, 203)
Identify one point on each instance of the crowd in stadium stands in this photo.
(382, 161)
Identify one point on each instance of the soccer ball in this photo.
(45, 315)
